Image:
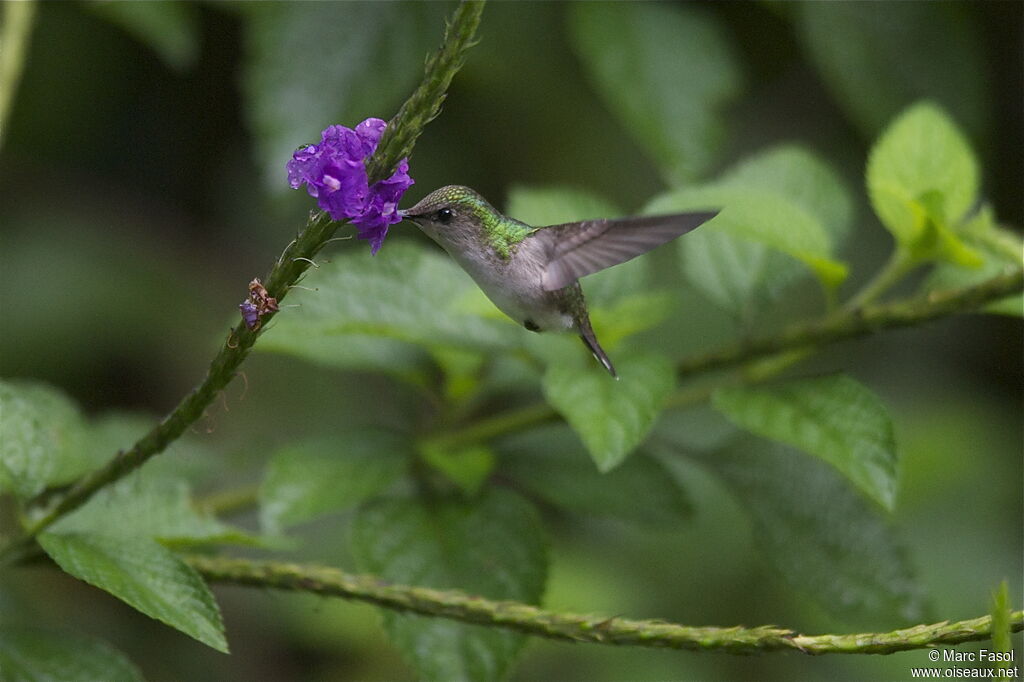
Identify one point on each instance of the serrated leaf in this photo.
(922, 178)
(740, 256)
(144, 505)
(667, 71)
(37, 655)
(877, 58)
(327, 475)
(492, 546)
(43, 438)
(405, 295)
(835, 418)
(550, 463)
(802, 177)
(146, 576)
(311, 64)
(169, 28)
(611, 417)
(819, 535)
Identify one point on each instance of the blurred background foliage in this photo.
(142, 186)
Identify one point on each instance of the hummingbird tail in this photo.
(590, 341)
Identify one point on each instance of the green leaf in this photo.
(407, 294)
(820, 536)
(468, 467)
(740, 256)
(43, 438)
(328, 475)
(311, 64)
(37, 655)
(611, 417)
(922, 178)
(169, 28)
(492, 546)
(667, 71)
(146, 576)
(549, 462)
(148, 504)
(878, 58)
(802, 177)
(554, 205)
(835, 418)
(1000, 248)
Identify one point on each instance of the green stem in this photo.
(395, 144)
(900, 263)
(574, 627)
(14, 39)
(855, 322)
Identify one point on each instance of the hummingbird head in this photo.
(452, 214)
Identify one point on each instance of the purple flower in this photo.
(250, 314)
(334, 172)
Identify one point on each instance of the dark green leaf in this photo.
(310, 479)
(835, 418)
(170, 28)
(467, 467)
(36, 655)
(820, 536)
(550, 463)
(406, 295)
(611, 417)
(145, 575)
(554, 205)
(43, 438)
(877, 58)
(313, 64)
(492, 546)
(667, 71)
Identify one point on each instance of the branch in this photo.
(396, 143)
(573, 627)
(847, 324)
(860, 322)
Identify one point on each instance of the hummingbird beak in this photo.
(405, 215)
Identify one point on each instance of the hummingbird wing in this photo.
(578, 249)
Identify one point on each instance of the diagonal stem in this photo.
(396, 143)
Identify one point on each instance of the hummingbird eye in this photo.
(444, 216)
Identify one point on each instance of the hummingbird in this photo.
(532, 273)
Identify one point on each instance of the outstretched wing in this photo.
(578, 249)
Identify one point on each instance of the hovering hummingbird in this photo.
(532, 273)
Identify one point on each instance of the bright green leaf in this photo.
(146, 576)
(368, 56)
(877, 58)
(834, 417)
(550, 463)
(169, 28)
(820, 536)
(611, 417)
(922, 178)
(328, 475)
(36, 655)
(667, 71)
(43, 438)
(406, 295)
(802, 177)
(492, 546)
(735, 258)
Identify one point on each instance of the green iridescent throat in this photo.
(502, 233)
